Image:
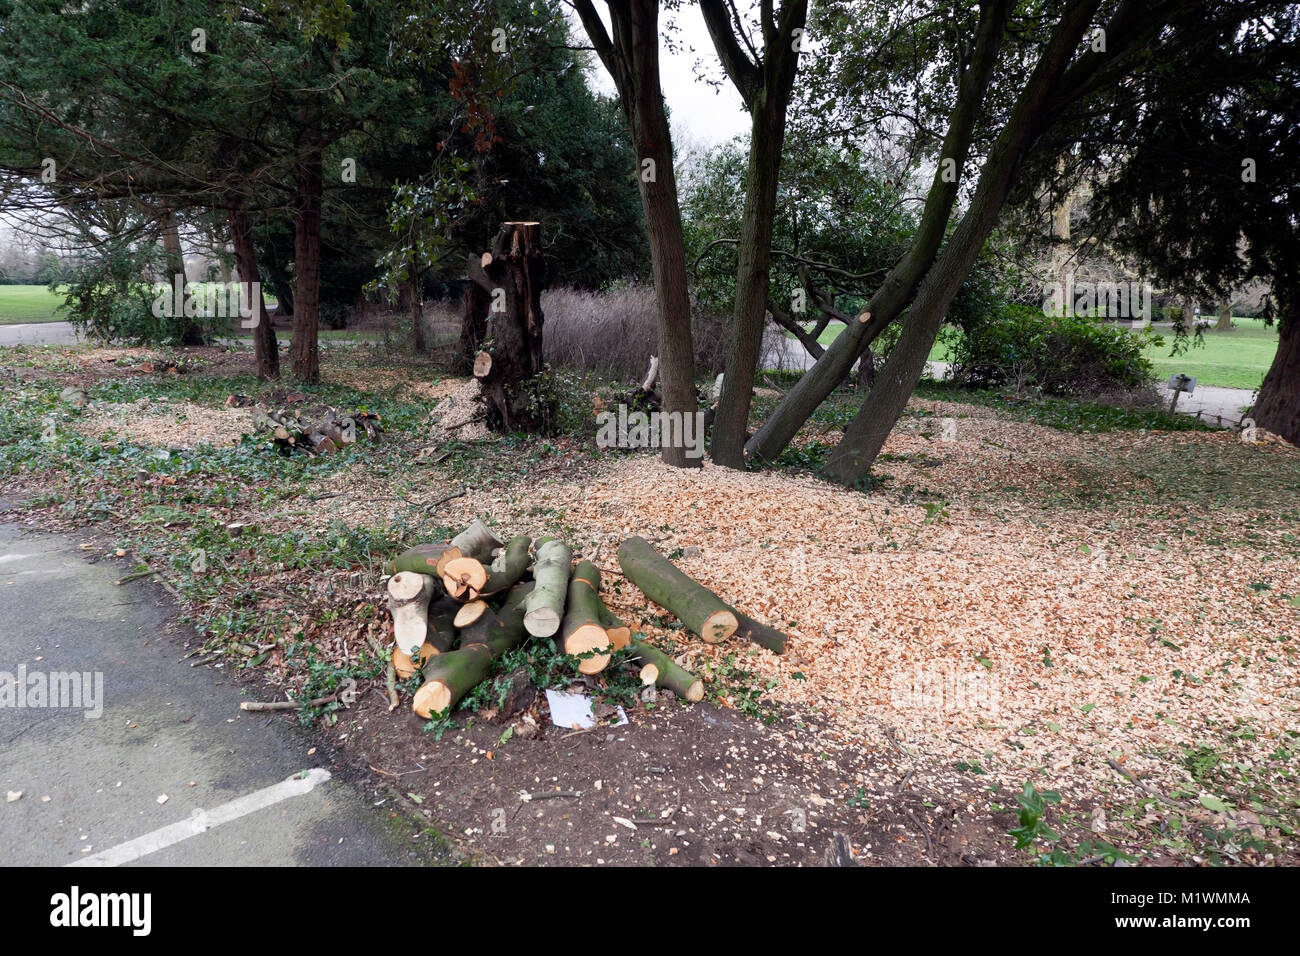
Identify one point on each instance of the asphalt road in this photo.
(240, 789)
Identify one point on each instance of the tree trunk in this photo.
(266, 351)
(1224, 323)
(632, 58)
(309, 185)
(1278, 406)
(866, 434)
(417, 313)
(765, 86)
(192, 333)
(702, 611)
(898, 285)
(512, 276)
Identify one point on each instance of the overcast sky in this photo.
(709, 114)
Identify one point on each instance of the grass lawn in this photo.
(28, 303)
(1236, 359)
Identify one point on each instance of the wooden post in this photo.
(506, 286)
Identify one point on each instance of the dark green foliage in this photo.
(1021, 346)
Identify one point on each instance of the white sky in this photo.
(706, 114)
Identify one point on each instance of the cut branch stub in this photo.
(702, 611)
(581, 632)
(469, 613)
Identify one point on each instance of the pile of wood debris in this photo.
(459, 605)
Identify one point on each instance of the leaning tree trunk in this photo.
(1278, 406)
(865, 436)
(900, 283)
(512, 276)
(309, 186)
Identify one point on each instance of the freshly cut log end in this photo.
(694, 691)
(464, 578)
(408, 600)
(718, 626)
(469, 613)
(482, 365)
(649, 674)
(542, 621)
(432, 698)
(405, 665)
(585, 639)
(619, 636)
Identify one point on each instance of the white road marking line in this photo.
(203, 820)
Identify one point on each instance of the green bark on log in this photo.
(509, 566)
(702, 611)
(449, 677)
(544, 608)
(671, 675)
(581, 631)
(421, 559)
(760, 634)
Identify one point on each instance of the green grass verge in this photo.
(20, 304)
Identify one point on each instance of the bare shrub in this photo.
(614, 333)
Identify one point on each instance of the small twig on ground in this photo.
(135, 577)
(548, 794)
(444, 500)
(257, 705)
(1114, 765)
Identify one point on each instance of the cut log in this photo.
(442, 629)
(464, 578)
(620, 635)
(425, 559)
(449, 677)
(405, 665)
(662, 671)
(581, 632)
(408, 600)
(469, 613)
(544, 607)
(477, 541)
(702, 611)
(760, 634)
(509, 566)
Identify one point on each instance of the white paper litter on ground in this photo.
(574, 711)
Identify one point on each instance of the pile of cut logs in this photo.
(460, 605)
